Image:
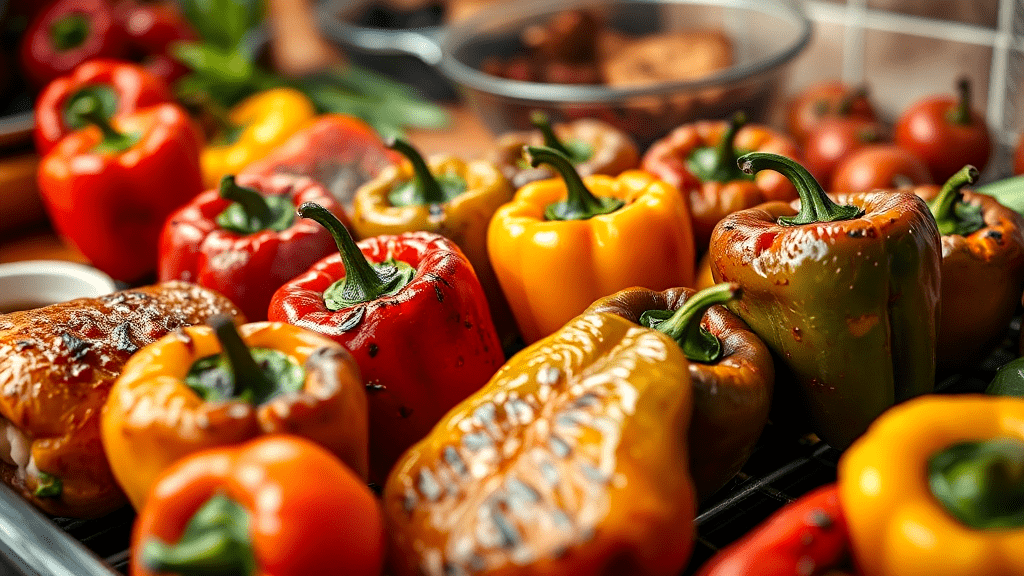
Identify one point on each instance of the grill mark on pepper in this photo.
(404, 411)
(22, 345)
(820, 519)
(355, 318)
(438, 293)
(372, 350)
(474, 442)
(994, 234)
(76, 347)
(373, 387)
(428, 485)
(509, 535)
(123, 339)
(451, 456)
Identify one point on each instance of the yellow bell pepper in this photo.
(450, 197)
(261, 122)
(936, 486)
(562, 244)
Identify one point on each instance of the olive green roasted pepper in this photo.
(846, 295)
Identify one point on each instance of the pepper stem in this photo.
(257, 210)
(215, 542)
(542, 122)
(815, 205)
(247, 379)
(981, 484)
(725, 152)
(70, 31)
(580, 204)
(89, 109)
(428, 189)
(943, 204)
(961, 113)
(683, 325)
(846, 103)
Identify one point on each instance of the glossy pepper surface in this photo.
(244, 239)
(109, 187)
(276, 506)
(153, 27)
(562, 244)
(593, 146)
(730, 368)
(210, 386)
(67, 33)
(450, 197)
(934, 487)
(340, 152)
(846, 294)
(412, 313)
(252, 129)
(120, 87)
(808, 537)
(700, 160)
(982, 269)
(573, 459)
(823, 102)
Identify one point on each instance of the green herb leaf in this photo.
(223, 23)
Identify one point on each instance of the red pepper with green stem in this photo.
(411, 311)
(68, 33)
(109, 187)
(153, 26)
(118, 88)
(244, 240)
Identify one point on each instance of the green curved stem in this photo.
(253, 204)
(363, 281)
(684, 327)
(70, 32)
(580, 203)
(426, 189)
(216, 542)
(951, 214)
(815, 205)
(981, 484)
(90, 110)
(542, 122)
(718, 164)
(246, 376)
(961, 113)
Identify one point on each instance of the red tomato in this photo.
(879, 166)
(820, 102)
(834, 140)
(946, 133)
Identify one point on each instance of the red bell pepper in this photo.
(278, 505)
(152, 28)
(68, 33)
(119, 88)
(411, 311)
(340, 152)
(108, 188)
(244, 240)
(806, 538)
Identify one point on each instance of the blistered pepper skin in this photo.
(571, 460)
(851, 307)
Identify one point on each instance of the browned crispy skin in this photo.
(57, 365)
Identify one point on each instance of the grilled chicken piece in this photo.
(57, 365)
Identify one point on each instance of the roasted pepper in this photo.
(561, 245)
(216, 385)
(413, 314)
(119, 88)
(252, 129)
(1009, 380)
(277, 505)
(594, 147)
(572, 459)
(67, 33)
(936, 486)
(109, 187)
(244, 240)
(846, 294)
(982, 269)
(453, 198)
(700, 160)
(340, 152)
(808, 537)
(731, 372)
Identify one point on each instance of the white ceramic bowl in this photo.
(35, 283)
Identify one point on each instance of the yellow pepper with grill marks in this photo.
(562, 244)
(936, 486)
(258, 124)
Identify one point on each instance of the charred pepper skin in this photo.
(571, 460)
(850, 306)
(731, 396)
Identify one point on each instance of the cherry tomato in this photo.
(946, 133)
(831, 142)
(820, 102)
(1018, 156)
(879, 166)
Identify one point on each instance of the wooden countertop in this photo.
(466, 137)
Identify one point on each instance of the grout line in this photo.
(881, 20)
